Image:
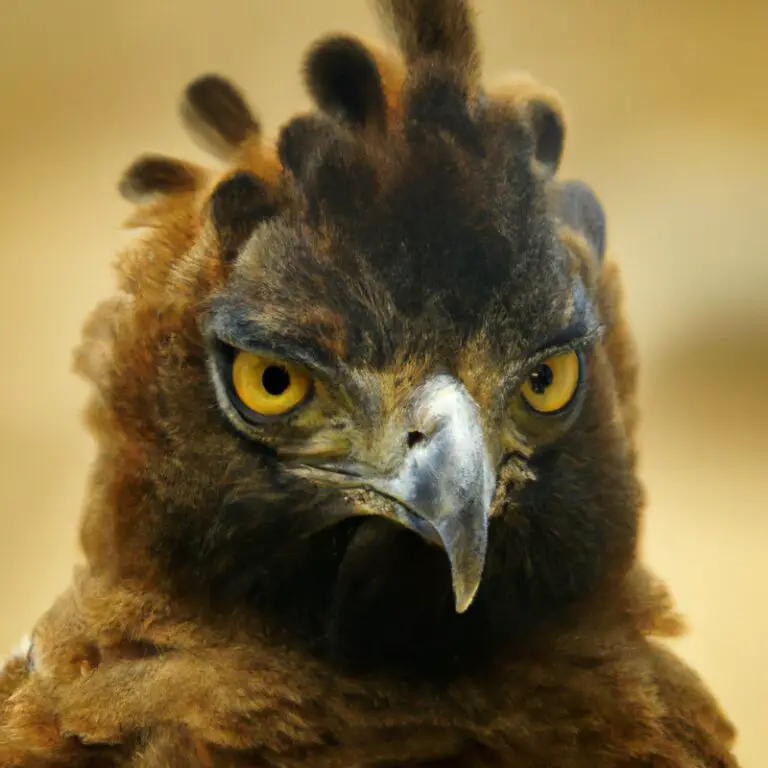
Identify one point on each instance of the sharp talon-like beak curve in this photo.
(465, 542)
(446, 483)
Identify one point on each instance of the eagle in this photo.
(366, 491)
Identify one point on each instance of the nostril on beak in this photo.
(414, 438)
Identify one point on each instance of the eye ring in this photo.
(551, 386)
(265, 388)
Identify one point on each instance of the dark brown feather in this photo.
(216, 114)
(153, 175)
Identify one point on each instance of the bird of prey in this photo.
(366, 491)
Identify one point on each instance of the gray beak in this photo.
(445, 485)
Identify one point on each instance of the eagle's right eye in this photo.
(269, 387)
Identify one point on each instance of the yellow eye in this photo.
(269, 387)
(553, 383)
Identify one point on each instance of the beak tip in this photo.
(464, 592)
(466, 558)
(463, 602)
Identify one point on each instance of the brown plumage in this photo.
(409, 562)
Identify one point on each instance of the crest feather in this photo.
(217, 115)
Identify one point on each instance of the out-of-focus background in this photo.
(669, 122)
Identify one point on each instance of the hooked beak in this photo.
(445, 485)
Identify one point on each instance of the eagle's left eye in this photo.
(553, 384)
(269, 387)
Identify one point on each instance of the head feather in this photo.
(217, 115)
(438, 30)
(577, 207)
(542, 110)
(343, 77)
(150, 176)
(238, 205)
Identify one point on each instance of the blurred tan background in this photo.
(669, 122)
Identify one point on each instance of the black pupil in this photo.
(275, 380)
(541, 379)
